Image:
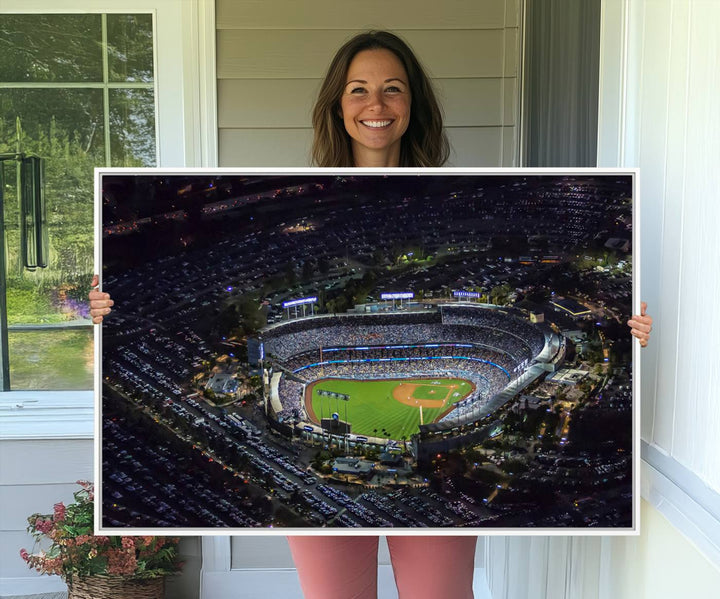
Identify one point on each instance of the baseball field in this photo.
(388, 408)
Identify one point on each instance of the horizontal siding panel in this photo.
(306, 54)
(512, 52)
(19, 501)
(268, 103)
(11, 564)
(370, 14)
(510, 101)
(470, 146)
(475, 146)
(271, 58)
(264, 147)
(57, 461)
(510, 147)
(472, 102)
(34, 475)
(512, 13)
(260, 552)
(260, 103)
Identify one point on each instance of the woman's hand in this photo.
(641, 325)
(99, 302)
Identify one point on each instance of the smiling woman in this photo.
(377, 108)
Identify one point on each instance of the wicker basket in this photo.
(116, 587)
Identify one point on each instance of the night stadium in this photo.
(440, 365)
(380, 351)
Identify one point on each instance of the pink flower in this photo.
(70, 553)
(128, 542)
(59, 512)
(121, 562)
(53, 565)
(44, 526)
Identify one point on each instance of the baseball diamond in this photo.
(387, 408)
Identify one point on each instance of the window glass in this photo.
(132, 127)
(66, 128)
(78, 103)
(130, 47)
(38, 48)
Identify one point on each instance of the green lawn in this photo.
(374, 412)
(53, 359)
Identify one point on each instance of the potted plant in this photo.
(98, 567)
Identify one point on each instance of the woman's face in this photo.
(375, 107)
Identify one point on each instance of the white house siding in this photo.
(34, 475)
(271, 57)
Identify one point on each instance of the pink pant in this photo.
(346, 567)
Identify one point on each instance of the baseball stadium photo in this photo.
(307, 350)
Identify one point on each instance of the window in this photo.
(186, 125)
(78, 90)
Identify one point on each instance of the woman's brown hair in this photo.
(423, 144)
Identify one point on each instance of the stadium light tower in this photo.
(300, 302)
(407, 295)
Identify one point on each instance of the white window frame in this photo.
(186, 129)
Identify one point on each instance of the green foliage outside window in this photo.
(76, 90)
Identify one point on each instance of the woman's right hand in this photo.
(100, 302)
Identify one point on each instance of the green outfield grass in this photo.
(373, 411)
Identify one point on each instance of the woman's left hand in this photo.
(641, 325)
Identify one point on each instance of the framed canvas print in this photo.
(401, 351)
